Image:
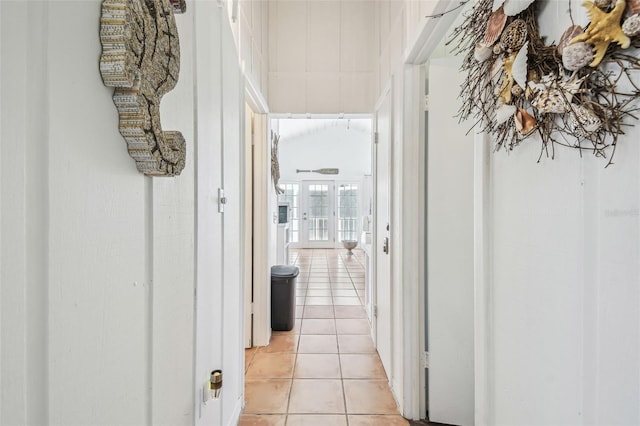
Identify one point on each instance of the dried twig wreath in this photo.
(579, 93)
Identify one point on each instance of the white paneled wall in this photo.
(562, 300)
(320, 56)
(337, 55)
(97, 262)
(252, 39)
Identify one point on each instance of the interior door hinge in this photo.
(375, 137)
(252, 308)
(375, 311)
(424, 359)
(426, 102)
(222, 200)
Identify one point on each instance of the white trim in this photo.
(412, 235)
(257, 103)
(246, 225)
(237, 411)
(261, 232)
(280, 115)
(422, 293)
(374, 235)
(483, 364)
(431, 33)
(383, 94)
(254, 97)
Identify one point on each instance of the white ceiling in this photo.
(295, 127)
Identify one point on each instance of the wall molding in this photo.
(483, 342)
(413, 229)
(430, 33)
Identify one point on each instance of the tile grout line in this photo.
(295, 358)
(335, 322)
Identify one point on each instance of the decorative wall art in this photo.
(275, 163)
(141, 60)
(580, 93)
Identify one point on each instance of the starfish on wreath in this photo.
(604, 29)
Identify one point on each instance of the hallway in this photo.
(326, 370)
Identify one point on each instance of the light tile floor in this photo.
(325, 371)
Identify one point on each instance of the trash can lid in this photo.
(285, 271)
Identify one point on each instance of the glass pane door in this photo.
(348, 212)
(318, 214)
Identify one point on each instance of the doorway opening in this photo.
(326, 182)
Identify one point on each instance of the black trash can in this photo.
(283, 297)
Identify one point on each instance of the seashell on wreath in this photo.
(548, 100)
(605, 5)
(482, 52)
(514, 36)
(631, 25)
(570, 33)
(517, 91)
(495, 25)
(525, 122)
(582, 121)
(577, 55)
(633, 7)
(519, 68)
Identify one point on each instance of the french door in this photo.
(318, 214)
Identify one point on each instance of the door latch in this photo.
(385, 245)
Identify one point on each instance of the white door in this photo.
(207, 157)
(219, 303)
(450, 236)
(232, 220)
(382, 219)
(318, 214)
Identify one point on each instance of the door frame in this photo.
(412, 218)
(258, 216)
(246, 211)
(419, 49)
(377, 239)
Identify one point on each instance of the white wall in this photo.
(344, 144)
(563, 301)
(320, 60)
(251, 33)
(96, 260)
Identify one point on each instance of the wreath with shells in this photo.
(580, 93)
